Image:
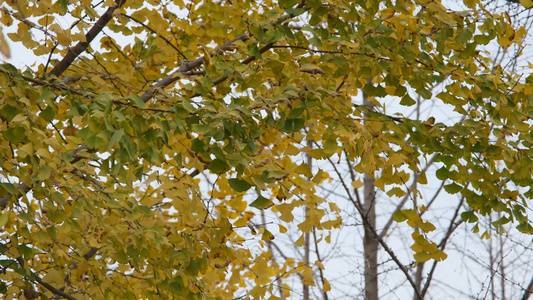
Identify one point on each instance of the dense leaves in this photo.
(127, 157)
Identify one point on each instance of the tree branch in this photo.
(404, 199)
(155, 32)
(187, 66)
(23, 188)
(53, 289)
(89, 37)
(529, 290)
(373, 231)
(442, 244)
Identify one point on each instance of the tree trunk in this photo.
(370, 243)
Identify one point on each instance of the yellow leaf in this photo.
(43, 153)
(333, 207)
(286, 212)
(422, 179)
(63, 36)
(304, 169)
(428, 30)
(485, 236)
(387, 13)
(292, 150)
(307, 277)
(4, 218)
(357, 184)
(319, 264)
(282, 229)
(396, 159)
(82, 268)
(527, 3)
(422, 256)
(427, 226)
(318, 177)
(300, 242)
(390, 90)
(54, 276)
(328, 238)
(285, 290)
(327, 286)
(4, 47)
(267, 235)
(258, 292)
(27, 149)
(306, 225)
(19, 119)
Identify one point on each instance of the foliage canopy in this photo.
(103, 145)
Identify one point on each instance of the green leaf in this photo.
(64, 5)
(464, 36)
(202, 129)
(442, 173)
(254, 51)
(525, 228)
(304, 169)
(198, 146)
(95, 141)
(293, 125)
(27, 252)
(44, 173)
(4, 218)
(9, 187)
(469, 217)
(15, 134)
(137, 100)
(117, 135)
(287, 3)
(3, 287)
(48, 114)
(407, 100)
(139, 172)
(151, 156)
(262, 203)
(453, 188)
(239, 185)
(399, 216)
(218, 166)
(9, 112)
(45, 95)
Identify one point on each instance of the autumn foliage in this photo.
(135, 153)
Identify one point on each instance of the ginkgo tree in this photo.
(134, 157)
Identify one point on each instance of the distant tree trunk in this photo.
(306, 235)
(370, 243)
(306, 258)
(418, 279)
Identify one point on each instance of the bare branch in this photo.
(404, 199)
(451, 228)
(373, 231)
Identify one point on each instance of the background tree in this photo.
(134, 159)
